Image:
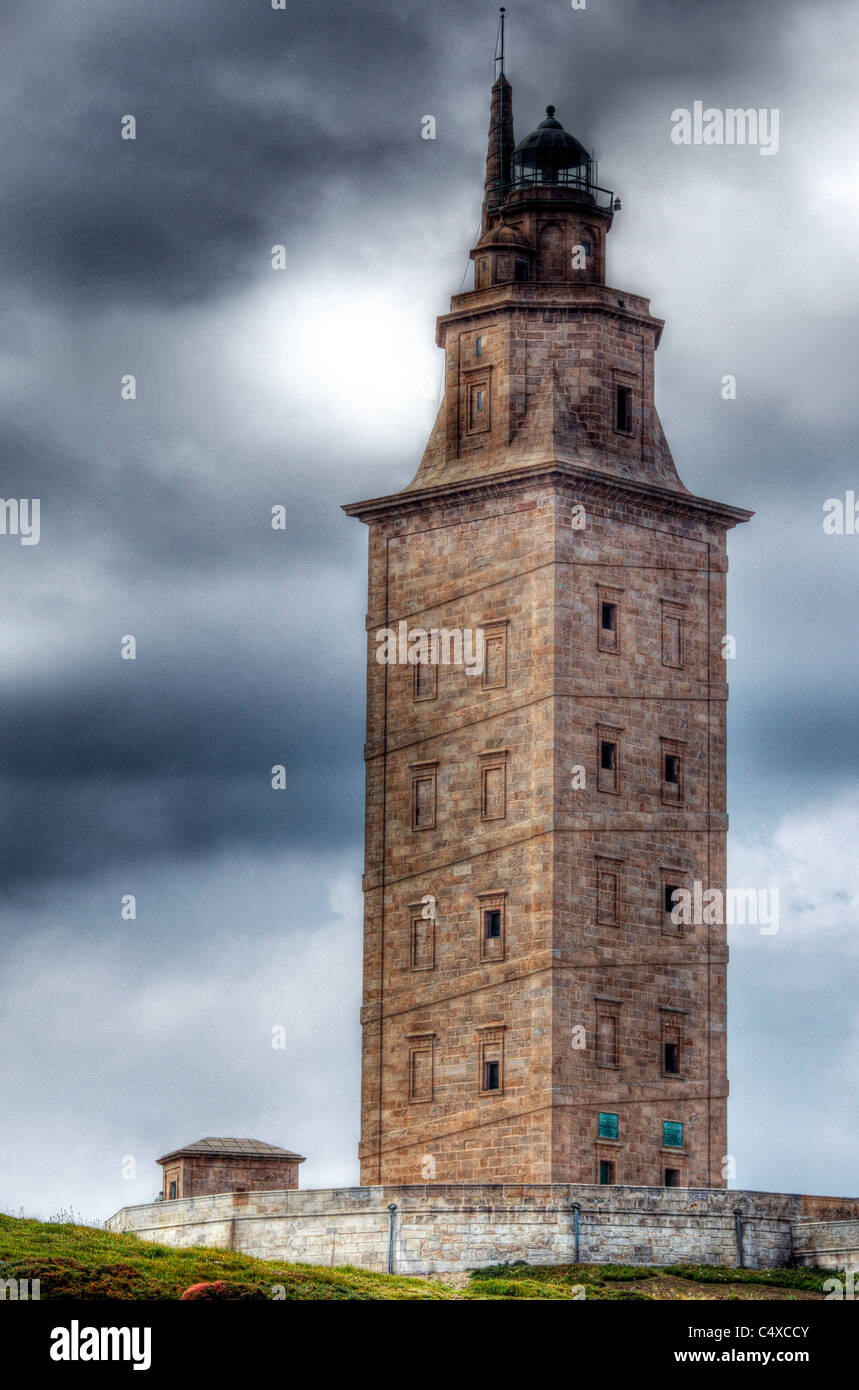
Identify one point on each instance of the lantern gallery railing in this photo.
(565, 183)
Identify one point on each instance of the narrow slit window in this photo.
(422, 942)
(608, 620)
(672, 1059)
(672, 774)
(623, 409)
(425, 681)
(607, 895)
(490, 1061)
(607, 1051)
(608, 761)
(670, 890)
(423, 796)
(494, 655)
(493, 794)
(171, 1192)
(492, 923)
(478, 347)
(672, 639)
(424, 803)
(421, 1071)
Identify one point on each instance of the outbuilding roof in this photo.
(232, 1148)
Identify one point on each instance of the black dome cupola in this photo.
(550, 155)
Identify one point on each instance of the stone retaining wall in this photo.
(441, 1228)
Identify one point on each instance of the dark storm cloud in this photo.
(173, 753)
(252, 120)
(247, 116)
(242, 120)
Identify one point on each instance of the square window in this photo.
(608, 1126)
(672, 1134)
(672, 1177)
(491, 1076)
(623, 410)
(607, 1171)
(492, 922)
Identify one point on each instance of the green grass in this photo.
(811, 1280)
(71, 1260)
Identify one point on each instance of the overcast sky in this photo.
(311, 387)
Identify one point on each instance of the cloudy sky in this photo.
(313, 386)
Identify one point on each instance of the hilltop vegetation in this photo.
(84, 1262)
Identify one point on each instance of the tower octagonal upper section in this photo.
(545, 363)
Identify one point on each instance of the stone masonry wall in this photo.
(445, 1228)
(206, 1173)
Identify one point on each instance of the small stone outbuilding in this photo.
(227, 1165)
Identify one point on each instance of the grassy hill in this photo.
(73, 1261)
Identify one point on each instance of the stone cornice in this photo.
(602, 485)
(513, 297)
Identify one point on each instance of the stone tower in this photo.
(551, 769)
